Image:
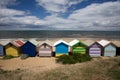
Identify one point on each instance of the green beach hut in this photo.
(78, 47)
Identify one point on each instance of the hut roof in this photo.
(88, 42)
(110, 44)
(104, 42)
(33, 41)
(46, 41)
(60, 41)
(75, 41)
(17, 43)
(116, 42)
(4, 42)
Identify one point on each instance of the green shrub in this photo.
(72, 59)
(65, 59)
(8, 57)
(81, 57)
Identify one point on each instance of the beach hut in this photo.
(2, 46)
(13, 48)
(117, 43)
(1, 50)
(44, 48)
(78, 47)
(61, 47)
(109, 49)
(29, 48)
(95, 49)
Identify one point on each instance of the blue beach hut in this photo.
(1, 50)
(61, 47)
(3, 43)
(29, 48)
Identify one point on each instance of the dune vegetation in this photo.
(102, 68)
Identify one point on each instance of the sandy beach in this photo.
(42, 63)
(34, 64)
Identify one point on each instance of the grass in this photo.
(10, 75)
(115, 73)
(8, 57)
(98, 69)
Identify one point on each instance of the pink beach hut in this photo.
(44, 48)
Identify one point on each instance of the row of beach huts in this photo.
(46, 48)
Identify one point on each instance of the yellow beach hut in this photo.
(13, 48)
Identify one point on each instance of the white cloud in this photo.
(5, 3)
(99, 16)
(6, 12)
(10, 12)
(105, 16)
(57, 6)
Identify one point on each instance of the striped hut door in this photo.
(95, 50)
(45, 51)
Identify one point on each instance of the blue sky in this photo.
(60, 15)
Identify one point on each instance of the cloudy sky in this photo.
(59, 14)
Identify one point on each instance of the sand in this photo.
(35, 64)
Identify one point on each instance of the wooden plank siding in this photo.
(29, 48)
(95, 50)
(110, 50)
(12, 50)
(79, 48)
(44, 50)
(1, 50)
(61, 49)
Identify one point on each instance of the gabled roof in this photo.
(17, 43)
(95, 43)
(4, 42)
(46, 41)
(33, 41)
(60, 41)
(88, 42)
(116, 42)
(75, 41)
(104, 42)
(111, 44)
